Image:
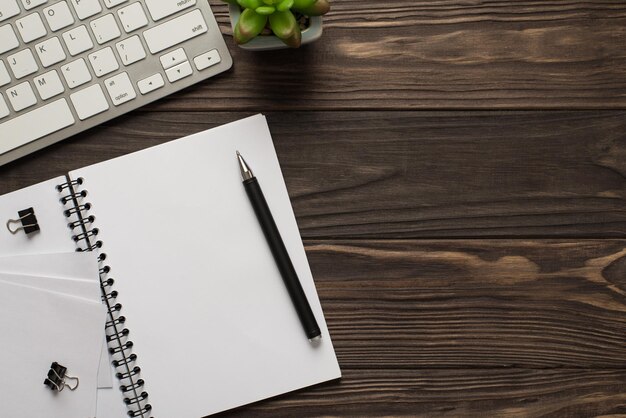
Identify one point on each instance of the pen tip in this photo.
(238, 154)
(246, 173)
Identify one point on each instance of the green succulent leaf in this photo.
(250, 24)
(302, 4)
(233, 2)
(318, 8)
(283, 25)
(265, 10)
(284, 5)
(295, 40)
(250, 4)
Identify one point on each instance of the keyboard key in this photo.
(103, 62)
(21, 96)
(76, 73)
(175, 31)
(120, 89)
(50, 52)
(8, 40)
(86, 8)
(132, 17)
(8, 8)
(105, 29)
(4, 109)
(207, 60)
(77, 40)
(31, 27)
(163, 8)
(49, 85)
(180, 71)
(89, 102)
(34, 125)
(22, 63)
(130, 50)
(113, 3)
(151, 83)
(58, 16)
(173, 58)
(31, 4)
(5, 78)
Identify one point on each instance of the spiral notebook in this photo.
(199, 320)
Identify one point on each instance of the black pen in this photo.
(277, 246)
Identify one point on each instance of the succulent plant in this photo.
(277, 15)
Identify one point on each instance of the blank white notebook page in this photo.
(210, 318)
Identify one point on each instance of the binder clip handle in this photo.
(58, 380)
(26, 220)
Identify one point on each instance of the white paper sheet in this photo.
(70, 264)
(84, 289)
(64, 265)
(39, 327)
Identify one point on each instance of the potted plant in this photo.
(274, 24)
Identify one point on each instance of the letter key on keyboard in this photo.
(58, 16)
(21, 96)
(86, 8)
(5, 78)
(4, 110)
(8, 40)
(22, 63)
(49, 84)
(8, 9)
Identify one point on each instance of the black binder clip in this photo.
(27, 221)
(57, 378)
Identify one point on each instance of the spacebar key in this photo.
(34, 125)
(175, 31)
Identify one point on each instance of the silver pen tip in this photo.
(246, 172)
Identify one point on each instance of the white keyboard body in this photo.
(69, 65)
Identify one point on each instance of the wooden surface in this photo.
(458, 172)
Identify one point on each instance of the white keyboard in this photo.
(66, 66)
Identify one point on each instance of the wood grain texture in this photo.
(409, 174)
(469, 328)
(445, 54)
(474, 303)
(454, 393)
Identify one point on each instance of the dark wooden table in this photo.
(458, 171)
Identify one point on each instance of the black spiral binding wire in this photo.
(117, 335)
